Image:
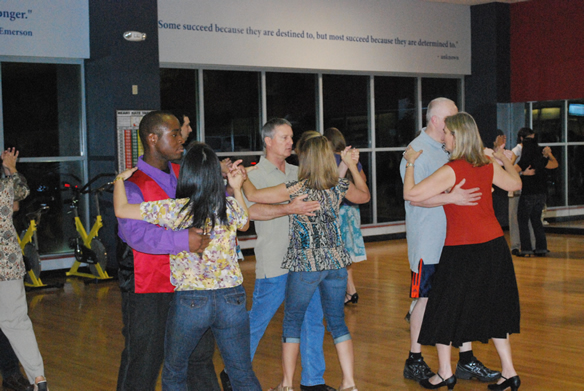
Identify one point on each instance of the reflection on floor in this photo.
(79, 326)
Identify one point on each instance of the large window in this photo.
(41, 104)
(178, 94)
(560, 125)
(42, 118)
(434, 88)
(395, 111)
(547, 121)
(292, 96)
(377, 114)
(232, 110)
(345, 101)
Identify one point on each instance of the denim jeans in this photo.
(301, 286)
(191, 314)
(529, 210)
(144, 316)
(268, 295)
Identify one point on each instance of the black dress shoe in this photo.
(225, 382)
(515, 251)
(318, 387)
(513, 382)
(476, 369)
(417, 369)
(450, 383)
(17, 382)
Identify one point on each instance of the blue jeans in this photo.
(144, 316)
(529, 210)
(268, 295)
(191, 314)
(301, 286)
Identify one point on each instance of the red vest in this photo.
(151, 272)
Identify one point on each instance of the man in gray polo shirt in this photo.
(425, 233)
(271, 225)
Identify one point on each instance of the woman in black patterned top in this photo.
(316, 257)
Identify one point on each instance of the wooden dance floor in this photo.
(79, 327)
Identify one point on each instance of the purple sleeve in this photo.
(149, 238)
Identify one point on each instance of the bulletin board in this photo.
(129, 144)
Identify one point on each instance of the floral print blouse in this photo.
(315, 241)
(217, 267)
(12, 188)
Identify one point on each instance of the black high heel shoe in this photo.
(354, 298)
(513, 382)
(450, 383)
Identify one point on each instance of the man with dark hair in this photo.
(185, 123)
(145, 269)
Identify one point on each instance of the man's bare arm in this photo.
(262, 212)
(457, 196)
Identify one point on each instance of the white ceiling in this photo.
(475, 2)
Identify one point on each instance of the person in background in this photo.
(522, 134)
(14, 320)
(185, 124)
(533, 196)
(349, 216)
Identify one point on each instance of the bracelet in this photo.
(408, 164)
(118, 178)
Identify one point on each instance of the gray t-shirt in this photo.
(425, 227)
(272, 241)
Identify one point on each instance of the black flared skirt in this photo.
(474, 295)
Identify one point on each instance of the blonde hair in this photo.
(317, 163)
(467, 140)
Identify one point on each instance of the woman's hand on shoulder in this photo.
(124, 175)
(411, 155)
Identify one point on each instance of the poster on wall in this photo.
(41, 28)
(401, 36)
(129, 144)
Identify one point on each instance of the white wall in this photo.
(43, 28)
(202, 32)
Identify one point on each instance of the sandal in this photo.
(351, 298)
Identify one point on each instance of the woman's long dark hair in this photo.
(201, 182)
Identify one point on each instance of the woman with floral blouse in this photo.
(14, 320)
(209, 291)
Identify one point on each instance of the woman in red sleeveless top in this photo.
(474, 293)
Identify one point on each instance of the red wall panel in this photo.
(547, 50)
